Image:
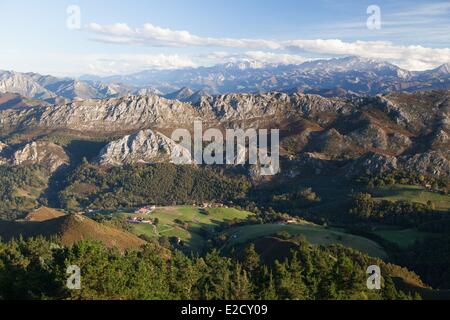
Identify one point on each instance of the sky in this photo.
(98, 37)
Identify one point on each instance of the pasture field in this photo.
(403, 238)
(413, 194)
(187, 222)
(184, 222)
(314, 234)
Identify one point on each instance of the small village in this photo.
(146, 210)
(149, 209)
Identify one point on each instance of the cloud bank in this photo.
(413, 57)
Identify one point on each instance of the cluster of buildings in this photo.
(137, 220)
(145, 210)
(213, 205)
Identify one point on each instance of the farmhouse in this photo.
(145, 210)
(212, 205)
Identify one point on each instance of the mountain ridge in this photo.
(350, 75)
(412, 128)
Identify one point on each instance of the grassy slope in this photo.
(413, 194)
(270, 249)
(194, 218)
(43, 214)
(314, 234)
(407, 237)
(76, 228)
(403, 238)
(70, 229)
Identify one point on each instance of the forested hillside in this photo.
(36, 269)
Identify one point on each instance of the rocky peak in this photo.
(441, 137)
(370, 136)
(371, 164)
(433, 163)
(146, 146)
(148, 91)
(270, 106)
(443, 69)
(41, 152)
(23, 84)
(182, 95)
(146, 111)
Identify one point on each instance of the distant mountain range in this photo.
(333, 77)
(56, 90)
(326, 77)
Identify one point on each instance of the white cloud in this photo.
(411, 57)
(113, 64)
(129, 63)
(152, 35)
(74, 65)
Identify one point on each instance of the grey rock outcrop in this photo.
(3, 147)
(41, 152)
(371, 164)
(133, 113)
(432, 163)
(145, 146)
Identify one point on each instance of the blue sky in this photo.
(124, 37)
